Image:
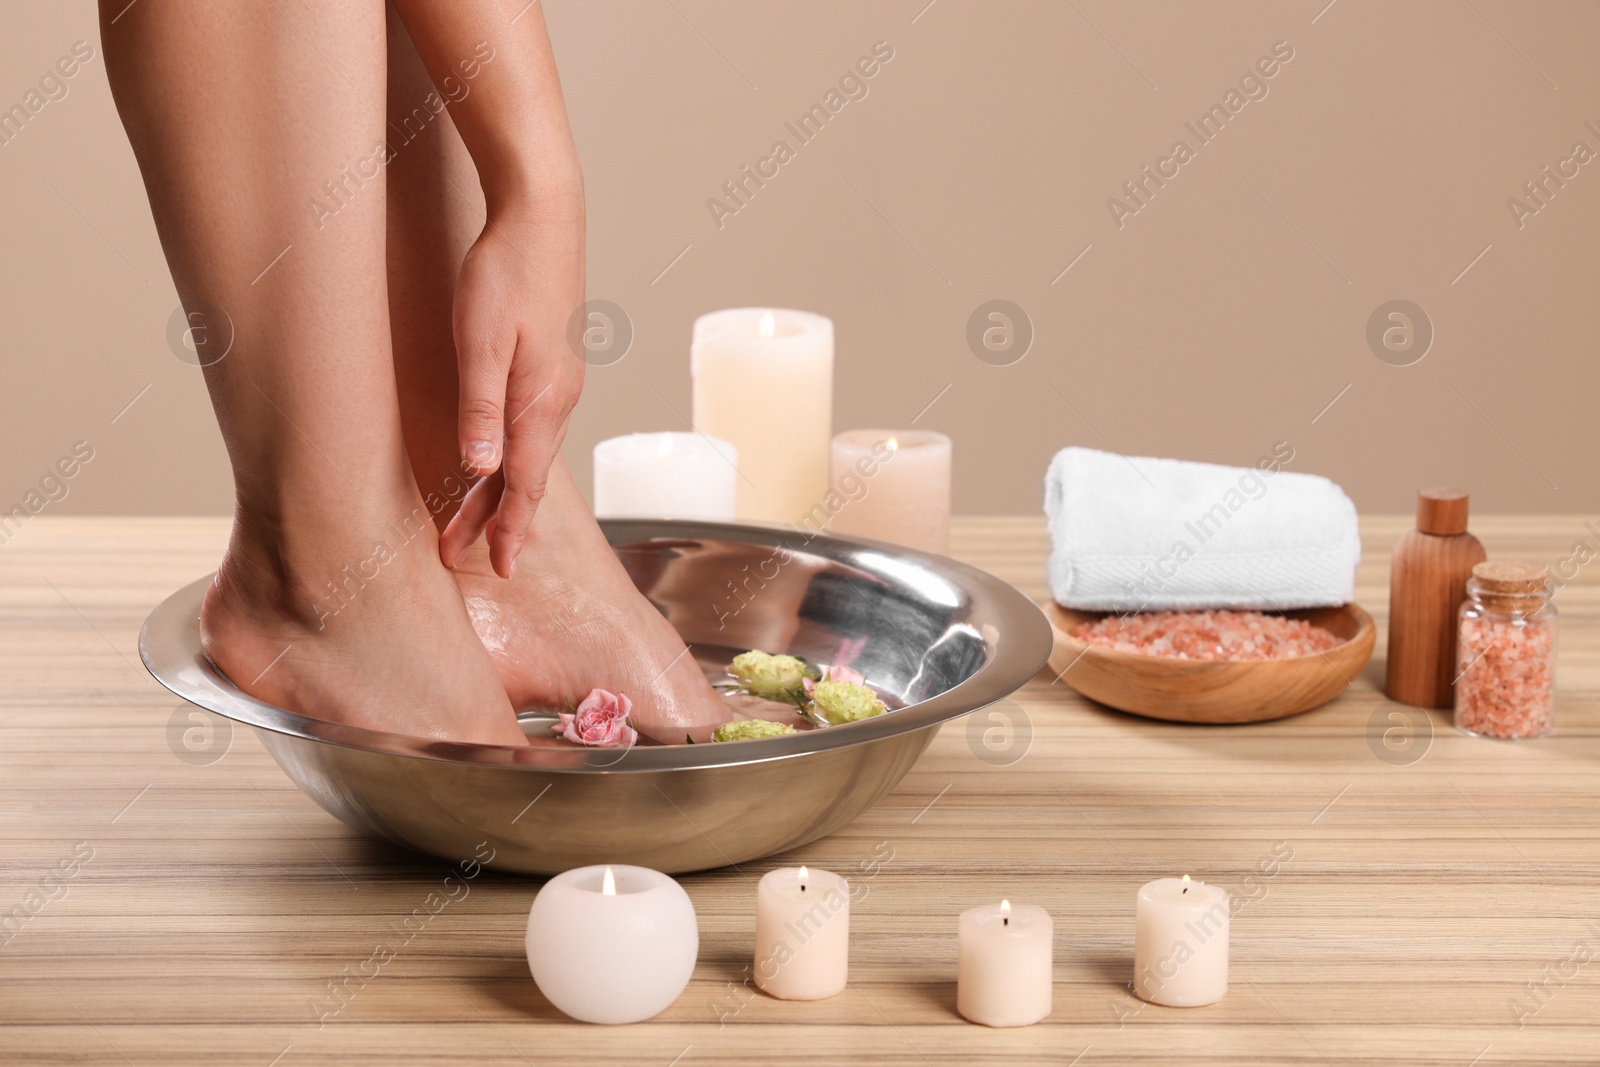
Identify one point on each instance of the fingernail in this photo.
(482, 455)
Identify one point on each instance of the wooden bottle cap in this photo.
(1442, 512)
(1510, 579)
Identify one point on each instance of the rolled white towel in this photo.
(1141, 534)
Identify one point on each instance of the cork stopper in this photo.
(1510, 579)
(1442, 512)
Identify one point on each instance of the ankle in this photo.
(442, 483)
(308, 570)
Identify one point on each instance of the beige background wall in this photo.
(1223, 317)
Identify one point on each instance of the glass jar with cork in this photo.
(1506, 653)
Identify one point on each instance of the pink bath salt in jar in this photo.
(1506, 655)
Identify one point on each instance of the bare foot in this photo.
(570, 620)
(364, 630)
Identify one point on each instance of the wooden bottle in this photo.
(1427, 583)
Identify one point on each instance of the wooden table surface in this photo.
(1438, 891)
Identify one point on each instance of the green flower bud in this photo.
(751, 730)
(840, 702)
(768, 676)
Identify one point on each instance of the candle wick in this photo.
(1185, 889)
(1005, 920)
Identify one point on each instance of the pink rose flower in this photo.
(846, 674)
(838, 673)
(601, 721)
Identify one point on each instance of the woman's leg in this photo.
(253, 122)
(570, 619)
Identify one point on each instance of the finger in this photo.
(485, 344)
(471, 519)
(530, 449)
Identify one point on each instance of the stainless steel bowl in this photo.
(941, 639)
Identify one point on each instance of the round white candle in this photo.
(763, 381)
(665, 476)
(802, 933)
(1180, 953)
(1004, 970)
(612, 944)
(893, 485)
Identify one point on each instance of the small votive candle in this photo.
(612, 944)
(665, 476)
(1004, 972)
(802, 933)
(763, 380)
(1180, 948)
(893, 485)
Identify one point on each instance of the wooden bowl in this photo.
(1216, 691)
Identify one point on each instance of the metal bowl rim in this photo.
(169, 646)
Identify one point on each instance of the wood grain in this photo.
(1432, 877)
(1212, 691)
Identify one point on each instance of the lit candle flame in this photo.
(1186, 883)
(1005, 907)
(608, 886)
(769, 325)
(664, 448)
(804, 874)
(892, 444)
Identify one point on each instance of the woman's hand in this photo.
(520, 286)
(522, 282)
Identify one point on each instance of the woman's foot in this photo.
(362, 627)
(570, 620)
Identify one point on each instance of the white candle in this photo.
(665, 476)
(893, 485)
(763, 380)
(1180, 953)
(802, 933)
(612, 944)
(1004, 970)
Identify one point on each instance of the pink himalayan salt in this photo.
(1207, 635)
(1508, 676)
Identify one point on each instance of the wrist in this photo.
(544, 191)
